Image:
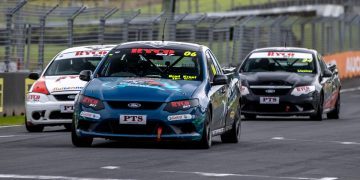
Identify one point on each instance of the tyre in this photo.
(320, 109)
(334, 114)
(250, 116)
(33, 128)
(79, 141)
(206, 139)
(233, 135)
(67, 127)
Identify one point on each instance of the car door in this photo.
(218, 92)
(327, 83)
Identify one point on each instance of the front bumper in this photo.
(108, 124)
(47, 111)
(304, 105)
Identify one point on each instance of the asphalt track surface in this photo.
(270, 149)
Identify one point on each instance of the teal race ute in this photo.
(158, 91)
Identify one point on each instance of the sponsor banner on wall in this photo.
(348, 63)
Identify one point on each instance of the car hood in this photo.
(140, 89)
(277, 78)
(57, 84)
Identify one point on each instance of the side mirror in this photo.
(228, 70)
(85, 75)
(220, 79)
(332, 67)
(327, 73)
(34, 76)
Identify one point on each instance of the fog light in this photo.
(36, 115)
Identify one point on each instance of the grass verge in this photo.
(11, 120)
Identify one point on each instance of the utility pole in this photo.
(168, 7)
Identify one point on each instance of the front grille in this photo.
(275, 92)
(270, 83)
(113, 126)
(124, 105)
(64, 97)
(270, 108)
(59, 115)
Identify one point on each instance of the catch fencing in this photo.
(31, 35)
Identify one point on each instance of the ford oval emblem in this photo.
(134, 105)
(270, 91)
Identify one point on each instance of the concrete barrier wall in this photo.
(13, 87)
(348, 63)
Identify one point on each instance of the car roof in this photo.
(295, 49)
(161, 44)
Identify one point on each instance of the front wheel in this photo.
(334, 114)
(233, 135)
(206, 139)
(319, 113)
(33, 128)
(79, 141)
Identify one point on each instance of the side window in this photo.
(210, 65)
(217, 65)
(322, 63)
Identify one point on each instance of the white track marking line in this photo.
(10, 126)
(350, 90)
(207, 174)
(110, 167)
(306, 140)
(8, 136)
(17, 176)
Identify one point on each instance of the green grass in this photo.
(11, 120)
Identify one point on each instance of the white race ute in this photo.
(50, 100)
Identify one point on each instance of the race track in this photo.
(270, 149)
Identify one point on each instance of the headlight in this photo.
(184, 105)
(244, 90)
(297, 91)
(90, 102)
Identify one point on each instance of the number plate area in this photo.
(269, 100)
(66, 108)
(133, 119)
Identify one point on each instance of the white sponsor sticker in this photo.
(180, 117)
(133, 119)
(89, 115)
(269, 100)
(294, 55)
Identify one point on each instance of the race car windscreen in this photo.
(153, 63)
(279, 61)
(72, 66)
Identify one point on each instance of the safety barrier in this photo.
(13, 87)
(348, 63)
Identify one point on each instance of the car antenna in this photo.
(286, 38)
(163, 33)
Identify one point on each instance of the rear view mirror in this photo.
(327, 73)
(34, 76)
(85, 75)
(220, 79)
(332, 67)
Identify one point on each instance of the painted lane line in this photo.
(350, 90)
(207, 174)
(17, 176)
(10, 126)
(306, 140)
(9, 136)
(110, 167)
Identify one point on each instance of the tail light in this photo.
(90, 102)
(175, 106)
(40, 87)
